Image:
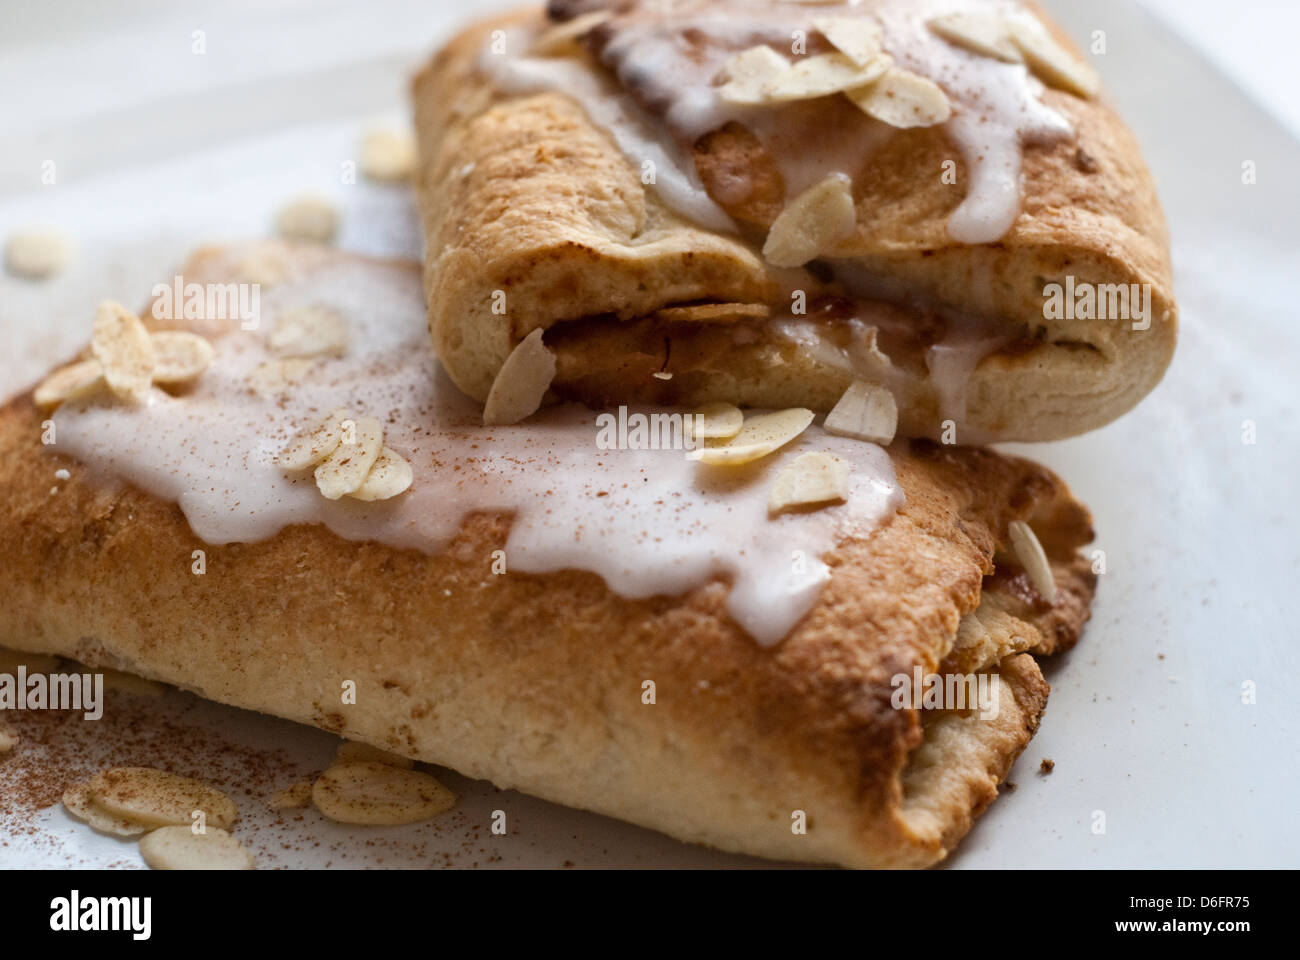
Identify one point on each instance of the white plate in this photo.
(158, 149)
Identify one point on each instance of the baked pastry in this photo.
(520, 604)
(767, 201)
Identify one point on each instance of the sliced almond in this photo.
(68, 382)
(981, 33)
(315, 444)
(812, 478)
(79, 802)
(312, 331)
(812, 224)
(903, 100)
(562, 39)
(1052, 63)
(269, 380)
(719, 421)
(263, 268)
(865, 412)
(758, 437)
(293, 797)
(714, 313)
(823, 75)
(375, 793)
(36, 254)
(180, 848)
(749, 74)
(352, 752)
(156, 798)
(388, 156)
(346, 469)
(121, 344)
(390, 476)
(179, 356)
(858, 38)
(309, 219)
(521, 383)
(1033, 558)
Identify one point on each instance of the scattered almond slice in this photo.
(346, 468)
(308, 219)
(121, 344)
(858, 38)
(293, 797)
(812, 478)
(714, 313)
(390, 476)
(521, 383)
(867, 412)
(903, 100)
(813, 222)
(377, 794)
(156, 798)
(388, 156)
(11, 660)
(1052, 62)
(309, 332)
(981, 33)
(179, 356)
(749, 73)
(269, 380)
(68, 382)
(823, 75)
(721, 421)
(36, 254)
(351, 751)
(79, 802)
(1033, 558)
(264, 268)
(8, 737)
(563, 38)
(759, 436)
(180, 848)
(312, 446)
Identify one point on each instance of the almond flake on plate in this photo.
(346, 468)
(563, 38)
(68, 382)
(720, 421)
(312, 446)
(79, 802)
(179, 356)
(311, 331)
(180, 848)
(121, 344)
(350, 751)
(759, 436)
(813, 478)
(749, 73)
(981, 33)
(309, 219)
(823, 75)
(903, 100)
(1052, 63)
(378, 794)
(390, 476)
(812, 223)
(867, 412)
(269, 380)
(1033, 558)
(388, 156)
(156, 798)
(858, 38)
(36, 254)
(521, 383)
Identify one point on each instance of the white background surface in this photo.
(158, 150)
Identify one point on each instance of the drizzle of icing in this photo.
(646, 521)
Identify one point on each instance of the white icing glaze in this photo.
(670, 53)
(647, 521)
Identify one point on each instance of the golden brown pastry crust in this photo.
(524, 194)
(535, 682)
